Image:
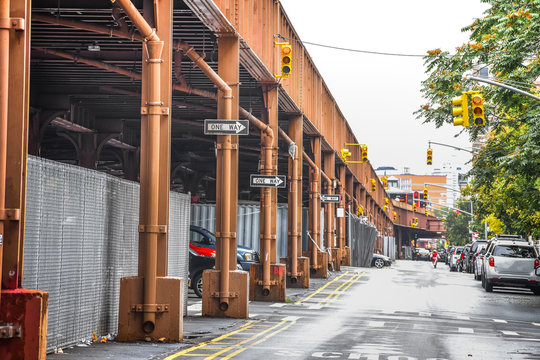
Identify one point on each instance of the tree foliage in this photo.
(506, 171)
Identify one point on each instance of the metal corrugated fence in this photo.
(81, 237)
(204, 215)
(362, 239)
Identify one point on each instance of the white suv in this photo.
(511, 263)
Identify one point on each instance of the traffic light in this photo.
(430, 156)
(364, 154)
(384, 181)
(425, 193)
(477, 104)
(461, 109)
(286, 59)
(414, 207)
(360, 210)
(373, 185)
(345, 154)
(386, 204)
(394, 218)
(426, 212)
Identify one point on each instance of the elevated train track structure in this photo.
(124, 87)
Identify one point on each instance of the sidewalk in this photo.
(196, 329)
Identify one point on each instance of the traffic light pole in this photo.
(491, 82)
(450, 146)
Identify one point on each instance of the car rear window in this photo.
(514, 251)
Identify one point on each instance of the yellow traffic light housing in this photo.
(394, 217)
(426, 212)
(364, 154)
(384, 181)
(345, 154)
(360, 210)
(430, 156)
(425, 193)
(373, 185)
(286, 59)
(414, 207)
(477, 105)
(461, 110)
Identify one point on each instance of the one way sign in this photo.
(277, 181)
(226, 127)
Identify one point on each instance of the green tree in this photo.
(457, 224)
(506, 172)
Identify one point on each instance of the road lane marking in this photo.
(424, 314)
(500, 321)
(510, 333)
(291, 318)
(278, 304)
(315, 307)
(342, 288)
(322, 288)
(536, 324)
(466, 330)
(376, 323)
(463, 317)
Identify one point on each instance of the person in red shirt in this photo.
(434, 258)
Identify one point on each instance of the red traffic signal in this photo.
(286, 60)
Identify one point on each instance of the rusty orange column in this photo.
(297, 265)
(267, 279)
(151, 303)
(318, 259)
(329, 213)
(351, 207)
(23, 312)
(225, 290)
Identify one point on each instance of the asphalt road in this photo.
(408, 311)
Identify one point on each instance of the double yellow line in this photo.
(235, 346)
(342, 288)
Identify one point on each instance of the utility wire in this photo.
(376, 52)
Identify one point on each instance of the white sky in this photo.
(378, 94)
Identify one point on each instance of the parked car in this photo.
(422, 254)
(454, 258)
(479, 261)
(203, 242)
(475, 250)
(463, 261)
(380, 261)
(197, 264)
(443, 256)
(511, 263)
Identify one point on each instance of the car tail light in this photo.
(491, 261)
(462, 256)
(536, 263)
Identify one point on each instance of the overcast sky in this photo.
(378, 94)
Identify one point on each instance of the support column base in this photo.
(277, 278)
(346, 256)
(28, 309)
(302, 268)
(335, 261)
(321, 272)
(238, 285)
(168, 324)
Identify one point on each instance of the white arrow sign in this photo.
(226, 127)
(277, 181)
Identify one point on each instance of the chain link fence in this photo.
(81, 237)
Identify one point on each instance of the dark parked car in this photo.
(197, 264)
(422, 254)
(475, 249)
(203, 242)
(380, 261)
(443, 256)
(463, 261)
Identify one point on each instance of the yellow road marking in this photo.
(335, 293)
(349, 285)
(218, 341)
(321, 288)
